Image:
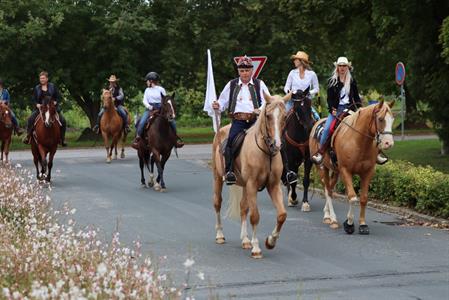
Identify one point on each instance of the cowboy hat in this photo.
(302, 56)
(112, 78)
(342, 61)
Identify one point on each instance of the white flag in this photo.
(211, 94)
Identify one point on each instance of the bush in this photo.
(403, 184)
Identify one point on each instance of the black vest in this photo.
(254, 90)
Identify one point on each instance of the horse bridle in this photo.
(1, 117)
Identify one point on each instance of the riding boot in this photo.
(288, 177)
(229, 160)
(179, 142)
(63, 130)
(18, 130)
(317, 158)
(136, 142)
(96, 128)
(27, 139)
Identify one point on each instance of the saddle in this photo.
(236, 145)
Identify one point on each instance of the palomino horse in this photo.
(46, 137)
(112, 127)
(298, 124)
(160, 140)
(5, 130)
(356, 143)
(258, 165)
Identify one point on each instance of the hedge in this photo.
(404, 184)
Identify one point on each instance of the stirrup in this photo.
(291, 177)
(96, 129)
(26, 140)
(317, 158)
(179, 144)
(230, 178)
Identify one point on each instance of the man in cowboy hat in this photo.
(243, 97)
(5, 99)
(42, 90)
(119, 98)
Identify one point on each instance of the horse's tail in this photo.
(235, 196)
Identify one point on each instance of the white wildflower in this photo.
(200, 275)
(102, 269)
(189, 262)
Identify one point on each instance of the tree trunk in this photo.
(444, 148)
(91, 108)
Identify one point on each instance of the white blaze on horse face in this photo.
(277, 129)
(386, 140)
(47, 117)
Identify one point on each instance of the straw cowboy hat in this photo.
(343, 61)
(301, 55)
(112, 78)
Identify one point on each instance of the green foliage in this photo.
(403, 184)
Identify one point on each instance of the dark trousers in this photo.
(237, 126)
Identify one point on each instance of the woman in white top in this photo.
(302, 78)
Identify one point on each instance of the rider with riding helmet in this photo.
(119, 98)
(152, 100)
(42, 90)
(342, 95)
(301, 78)
(5, 99)
(243, 97)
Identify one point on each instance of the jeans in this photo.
(237, 126)
(289, 106)
(330, 119)
(14, 119)
(144, 118)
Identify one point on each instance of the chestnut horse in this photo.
(356, 143)
(258, 166)
(298, 124)
(46, 137)
(111, 125)
(159, 142)
(5, 130)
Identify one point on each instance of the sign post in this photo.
(400, 79)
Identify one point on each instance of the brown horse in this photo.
(111, 125)
(46, 137)
(5, 130)
(160, 140)
(356, 143)
(258, 166)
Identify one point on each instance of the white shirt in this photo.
(153, 95)
(344, 97)
(244, 102)
(295, 82)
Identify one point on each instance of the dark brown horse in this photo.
(46, 137)
(296, 142)
(5, 130)
(159, 142)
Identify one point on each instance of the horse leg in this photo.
(113, 147)
(165, 157)
(218, 199)
(157, 161)
(276, 197)
(244, 208)
(328, 184)
(151, 170)
(7, 144)
(348, 224)
(106, 145)
(364, 184)
(142, 175)
(36, 164)
(3, 147)
(254, 217)
(43, 161)
(122, 154)
(305, 183)
(50, 165)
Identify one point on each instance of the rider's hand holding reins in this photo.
(256, 111)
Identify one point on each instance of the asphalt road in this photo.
(310, 261)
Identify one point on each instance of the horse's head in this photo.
(384, 122)
(5, 115)
(302, 105)
(168, 106)
(272, 120)
(106, 98)
(48, 110)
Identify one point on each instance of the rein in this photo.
(269, 142)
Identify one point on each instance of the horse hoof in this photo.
(143, 185)
(364, 229)
(349, 229)
(305, 207)
(256, 255)
(292, 203)
(268, 245)
(246, 246)
(327, 221)
(163, 190)
(122, 155)
(157, 187)
(334, 225)
(220, 241)
(150, 184)
(108, 160)
(115, 157)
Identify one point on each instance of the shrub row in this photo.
(404, 184)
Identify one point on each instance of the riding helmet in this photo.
(152, 76)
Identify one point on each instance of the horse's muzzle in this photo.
(8, 126)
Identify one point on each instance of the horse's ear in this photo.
(287, 97)
(173, 96)
(391, 104)
(267, 97)
(380, 104)
(306, 92)
(162, 96)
